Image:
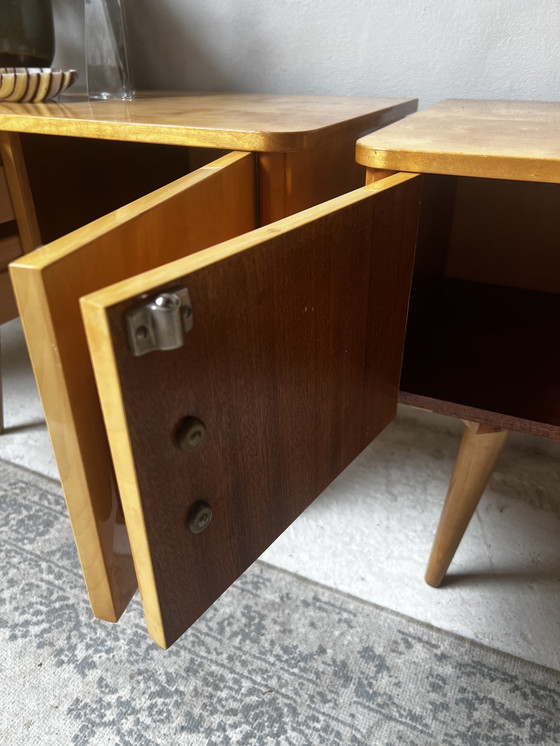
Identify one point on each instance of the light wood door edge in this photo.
(95, 313)
(164, 274)
(211, 204)
(20, 191)
(61, 248)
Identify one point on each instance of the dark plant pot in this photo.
(26, 33)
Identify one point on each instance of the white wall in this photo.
(427, 49)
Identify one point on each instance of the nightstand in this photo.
(210, 355)
(482, 343)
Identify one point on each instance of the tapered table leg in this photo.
(478, 453)
(1, 395)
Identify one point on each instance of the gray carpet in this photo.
(277, 660)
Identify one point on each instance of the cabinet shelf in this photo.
(487, 353)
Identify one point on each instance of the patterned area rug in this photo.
(277, 660)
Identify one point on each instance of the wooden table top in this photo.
(517, 140)
(240, 121)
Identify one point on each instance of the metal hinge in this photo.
(160, 322)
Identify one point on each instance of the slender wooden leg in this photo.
(478, 453)
(1, 395)
(20, 191)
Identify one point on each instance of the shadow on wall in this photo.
(427, 50)
(185, 62)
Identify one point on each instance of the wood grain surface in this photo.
(290, 182)
(493, 139)
(236, 121)
(292, 364)
(196, 211)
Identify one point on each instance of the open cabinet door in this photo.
(288, 367)
(209, 205)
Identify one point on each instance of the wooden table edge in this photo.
(25, 119)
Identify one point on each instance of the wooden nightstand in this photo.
(240, 364)
(482, 342)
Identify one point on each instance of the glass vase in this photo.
(107, 69)
(26, 33)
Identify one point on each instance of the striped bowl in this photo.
(33, 84)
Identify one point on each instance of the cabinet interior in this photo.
(75, 180)
(482, 341)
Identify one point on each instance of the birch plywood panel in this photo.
(293, 365)
(172, 222)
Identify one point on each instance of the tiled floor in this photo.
(369, 534)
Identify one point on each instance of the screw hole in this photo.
(189, 434)
(141, 333)
(199, 517)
